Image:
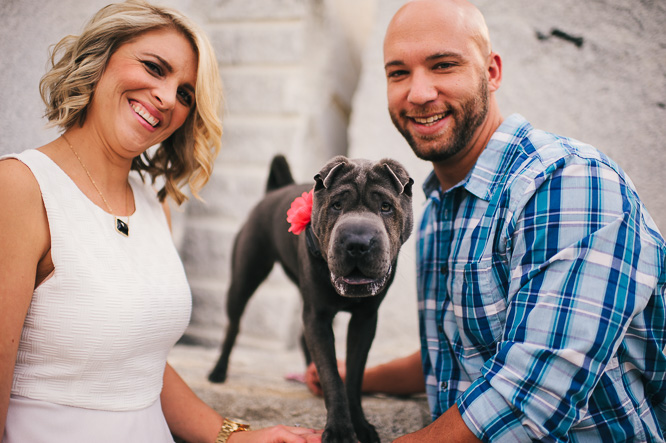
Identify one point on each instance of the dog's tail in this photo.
(280, 174)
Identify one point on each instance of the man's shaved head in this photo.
(459, 16)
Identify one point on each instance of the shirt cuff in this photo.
(488, 415)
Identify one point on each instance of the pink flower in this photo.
(300, 213)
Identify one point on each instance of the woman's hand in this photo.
(277, 434)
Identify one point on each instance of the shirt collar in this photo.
(489, 167)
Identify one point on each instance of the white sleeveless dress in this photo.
(94, 345)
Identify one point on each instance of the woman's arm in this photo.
(193, 420)
(187, 415)
(24, 261)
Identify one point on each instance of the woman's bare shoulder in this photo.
(20, 196)
(23, 220)
(16, 177)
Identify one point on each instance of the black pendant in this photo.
(122, 227)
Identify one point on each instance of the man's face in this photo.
(437, 86)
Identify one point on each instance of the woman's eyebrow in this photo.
(165, 63)
(169, 68)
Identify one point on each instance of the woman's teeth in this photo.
(429, 120)
(145, 114)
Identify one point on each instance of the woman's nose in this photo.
(166, 95)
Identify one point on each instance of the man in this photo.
(541, 277)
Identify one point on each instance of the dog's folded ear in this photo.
(401, 179)
(325, 177)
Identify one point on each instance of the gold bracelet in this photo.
(228, 428)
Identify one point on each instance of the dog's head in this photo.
(361, 216)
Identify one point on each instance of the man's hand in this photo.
(312, 377)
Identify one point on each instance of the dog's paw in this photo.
(366, 433)
(339, 434)
(217, 376)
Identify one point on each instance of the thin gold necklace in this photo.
(122, 227)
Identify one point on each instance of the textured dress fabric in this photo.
(93, 349)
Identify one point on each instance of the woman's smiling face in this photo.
(146, 91)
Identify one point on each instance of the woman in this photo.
(92, 292)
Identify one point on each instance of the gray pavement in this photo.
(257, 391)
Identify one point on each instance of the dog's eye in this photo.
(386, 207)
(337, 206)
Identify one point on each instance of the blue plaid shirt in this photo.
(542, 293)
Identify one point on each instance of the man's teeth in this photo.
(429, 120)
(145, 114)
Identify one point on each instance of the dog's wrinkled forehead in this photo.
(341, 170)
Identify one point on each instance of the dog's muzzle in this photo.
(358, 257)
(357, 285)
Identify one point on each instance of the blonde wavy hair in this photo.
(78, 62)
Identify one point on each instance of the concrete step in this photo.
(258, 392)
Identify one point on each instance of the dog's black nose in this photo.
(358, 245)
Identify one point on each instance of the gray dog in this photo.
(344, 260)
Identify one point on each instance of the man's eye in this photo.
(185, 97)
(153, 67)
(444, 65)
(396, 74)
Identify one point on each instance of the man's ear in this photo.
(494, 71)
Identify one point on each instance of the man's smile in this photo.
(428, 121)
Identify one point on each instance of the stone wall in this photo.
(305, 78)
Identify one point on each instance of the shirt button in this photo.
(444, 269)
(440, 329)
(444, 385)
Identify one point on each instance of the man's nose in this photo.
(422, 89)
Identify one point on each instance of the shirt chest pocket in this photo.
(478, 295)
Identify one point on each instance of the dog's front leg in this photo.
(360, 334)
(321, 343)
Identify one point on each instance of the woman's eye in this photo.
(153, 67)
(386, 207)
(185, 97)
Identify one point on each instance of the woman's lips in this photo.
(144, 113)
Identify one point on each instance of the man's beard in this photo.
(471, 115)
